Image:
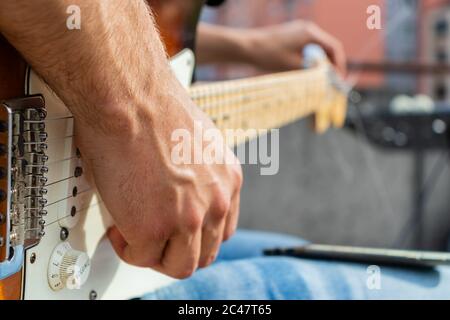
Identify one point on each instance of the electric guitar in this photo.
(53, 223)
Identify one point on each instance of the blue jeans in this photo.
(242, 272)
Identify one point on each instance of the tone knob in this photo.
(68, 268)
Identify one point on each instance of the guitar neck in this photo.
(271, 101)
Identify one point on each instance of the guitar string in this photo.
(256, 105)
(78, 211)
(60, 118)
(216, 89)
(244, 107)
(69, 214)
(215, 103)
(244, 98)
(72, 116)
(237, 86)
(205, 105)
(59, 138)
(249, 106)
(98, 203)
(62, 160)
(67, 197)
(66, 216)
(243, 95)
(59, 181)
(264, 85)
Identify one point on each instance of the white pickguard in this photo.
(109, 277)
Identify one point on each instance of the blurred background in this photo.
(384, 180)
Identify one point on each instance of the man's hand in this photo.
(279, 48)
(170, 217)
(274, 48)
(114, 77)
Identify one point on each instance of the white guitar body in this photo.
(45, 180)
(109, 277)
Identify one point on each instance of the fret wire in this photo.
(263, 83)
(230, 102)
(243, 90)
(300, 111)
(227, 99)
(241, 85)
(282, 99)
(237, 85)
(256, 106)
(294, 93)
(243, 99)
(250, 82)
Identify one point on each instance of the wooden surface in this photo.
(177, 22)
(12, 80)
(10, 288)
(3, 186)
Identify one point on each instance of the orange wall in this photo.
(347, 20)
(433, 3)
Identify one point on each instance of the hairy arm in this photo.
(95, 69)
(114, 77)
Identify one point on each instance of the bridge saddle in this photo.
(23, 161)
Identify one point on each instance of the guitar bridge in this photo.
(22, 173)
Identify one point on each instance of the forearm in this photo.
(114, 76)
(273, 48)
(115, 61)
(216, 44)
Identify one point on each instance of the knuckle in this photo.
(151, 262)
(139, 256)
(221, 205)
(184, 272)
(193, 221)
(161, 232)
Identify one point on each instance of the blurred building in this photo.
(412, 30)
(345, 19)
(402, 43)
(435, 48)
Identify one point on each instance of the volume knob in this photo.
(68, 268)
